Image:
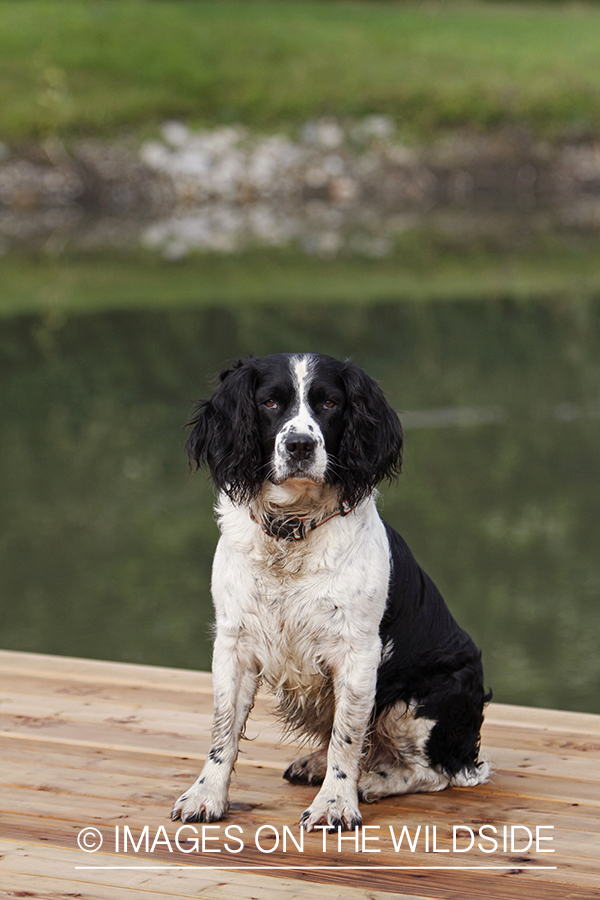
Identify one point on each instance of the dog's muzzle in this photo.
(299, 454)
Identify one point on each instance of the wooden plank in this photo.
(124, 738)
(84, 670)
(140, 805)
(59, 689)
(530, 718)
(43, 887)
(558, 742)
(132, 736)
(571, 872)
(34, 711)
(57, 695)
(82, 758)
(581, 768)
(166, 886)
(251, 785)
(418, 883)
(571, 838)
(279, 791)
(528, 786)
(76, 709)
(49, 868)
(575, 856)
(161, 767)
(137, 802)
(158, 777)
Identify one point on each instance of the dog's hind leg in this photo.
(398, 758)
(395, 778)
(400, 779)
(308, 769)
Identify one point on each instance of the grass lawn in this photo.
(74, 67)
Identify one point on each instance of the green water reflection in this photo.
(106, 541)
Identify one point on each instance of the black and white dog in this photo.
(319, 599)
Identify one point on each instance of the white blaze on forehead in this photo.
(301, 370)
(303, 422)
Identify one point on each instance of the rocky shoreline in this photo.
(338, 187)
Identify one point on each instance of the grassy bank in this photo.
(263, 277)
(73, 67)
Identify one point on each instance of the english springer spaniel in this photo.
(319, 599)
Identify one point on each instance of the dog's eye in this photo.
(328, 404)
(270, 404)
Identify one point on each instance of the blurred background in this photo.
(416, 185)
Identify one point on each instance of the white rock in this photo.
(155, 155)
(323, 132)
(175, 133)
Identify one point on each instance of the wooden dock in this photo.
(109, 746)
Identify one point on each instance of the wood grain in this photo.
(92, 743)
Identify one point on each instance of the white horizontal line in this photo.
(466, 416)
(448, 417)
(305, 868)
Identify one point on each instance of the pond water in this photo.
(106, 541)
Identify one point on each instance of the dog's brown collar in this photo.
(296, 529)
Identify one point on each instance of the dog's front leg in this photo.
(234, 685)
(354, 680)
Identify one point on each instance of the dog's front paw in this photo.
(200, 804)
(332, 810)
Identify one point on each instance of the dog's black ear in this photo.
(371, 445)
(225, 434)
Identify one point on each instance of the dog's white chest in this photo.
(292, 653)
(299, 607)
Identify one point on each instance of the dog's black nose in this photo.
(300, 446)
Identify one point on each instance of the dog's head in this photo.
(296, 417)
